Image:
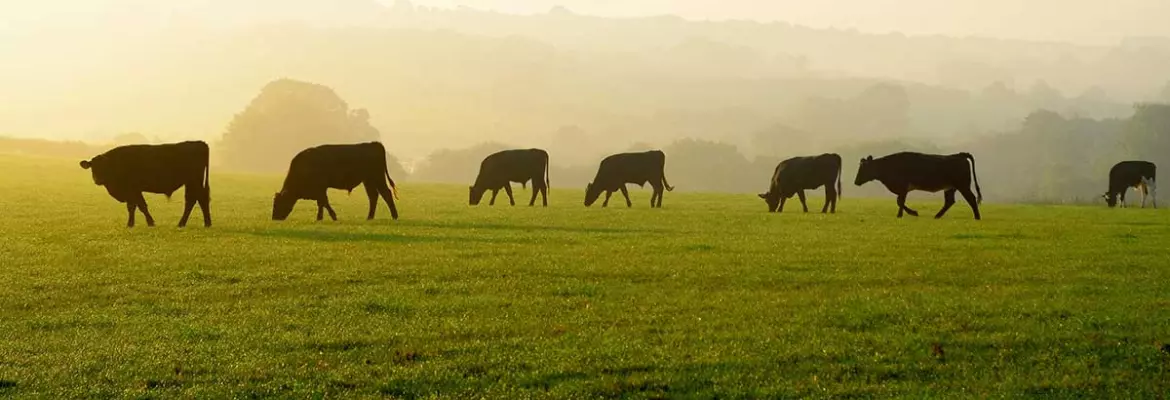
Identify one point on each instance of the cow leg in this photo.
(902, 206)
(535, 190)
(803, 201)
(141, 203)
(971, 201)
(372, 194)
(656, 197)
(320, 211)
(608, 193)
(188, 205)
(1153, 192)
(830, 199)
(626, 194)
(388, 196)
(130, 207)
(780, 208)
(494, 193)
(1123, 198)
(544, 195)
(205, 206)
(1145, 191)
(948, 201)
(508, 190)
(323, 203)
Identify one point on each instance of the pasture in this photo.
(708, 297)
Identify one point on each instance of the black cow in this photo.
(903, 172)
(128, 171)
(338, 166)
(637, 168)
(498, 170)
(795, 175)
(1136, 174)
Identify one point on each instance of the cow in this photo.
(617, 170)
(903, 172)
(1139, 175)
(128, 171)
(795, 175)
(499, 170)
(338, 166)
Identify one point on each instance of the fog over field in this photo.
(747, 82)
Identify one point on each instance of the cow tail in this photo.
(207, 177)
(840, 167)
(667, 184)
(978, 191)
(393, 186)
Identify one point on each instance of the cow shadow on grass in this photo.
(529, 228)
(381, 237)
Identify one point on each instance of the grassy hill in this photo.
(710, 296)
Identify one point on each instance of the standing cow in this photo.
(795, 175)
(128, 171)
(499, 170)
(340, 166)
(903, 172)
(1139, 175)
(637, 168)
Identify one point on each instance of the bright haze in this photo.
(1081, 21)
(588, 77)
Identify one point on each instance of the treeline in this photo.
(1049, 158)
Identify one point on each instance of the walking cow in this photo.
(795, 175)
(341, 166)
(637, 168)
(128, 171)
(903, 172)
(499, 170)
(1139, 175)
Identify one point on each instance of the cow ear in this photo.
(763, 196)
(870, 158)
(85, 164)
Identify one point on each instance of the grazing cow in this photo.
(499, 170)
(795, 175)
(637, 168)
(903, 172)
(338, 166)
(128, 171)
(1139, 175)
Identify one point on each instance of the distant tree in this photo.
(123, 139)
(287, 117)
(456, 166)
(702, 165)
(1147, 133)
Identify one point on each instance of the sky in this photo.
(1080, 21)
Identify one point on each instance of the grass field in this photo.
(708, 297)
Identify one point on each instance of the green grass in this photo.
(708, 297)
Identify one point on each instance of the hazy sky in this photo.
(1085, 21)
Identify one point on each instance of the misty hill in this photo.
(452, 78)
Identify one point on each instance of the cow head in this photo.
(474, 195)
(97, 167)
(773, 200)
(1110, 199)
(591, 194)
(282, 205)
(865, 172)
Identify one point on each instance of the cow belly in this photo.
(933, 188)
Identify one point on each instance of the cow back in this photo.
(636, 168)
(162, 168)
(344, 167)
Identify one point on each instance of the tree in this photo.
(701, 165)
(123, 139)
(287, 117)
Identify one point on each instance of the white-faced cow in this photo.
(341, 166)
(637, 168)
(1139, 175)
(903, 172)
(499, 170)
(795, 175)
(128, 171)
